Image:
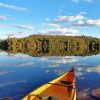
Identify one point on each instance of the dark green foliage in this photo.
(3, 44)
(39, 45)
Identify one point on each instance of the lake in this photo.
(21, 73)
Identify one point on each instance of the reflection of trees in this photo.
(57, 51)
(3, 45)
(38, 45)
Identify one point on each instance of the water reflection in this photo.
(21, 73)
(87, 79)
(56, 51)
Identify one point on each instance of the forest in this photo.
(3, 44)
(39, 45)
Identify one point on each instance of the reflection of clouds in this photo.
(94, 69)
(86, 90)
(17, 60)
(59, 71)
(59, 60)
(83, 96)
(20, 56)
(89, 69)
(79, 69)
(11, 83)
(85, 68)
(47, 71)
(2, 72)
(79, 74)
(81, 65)
(81, 78)
(53, 65)
(24, 64)
(1, 63)
(18, 64)
(96, 93)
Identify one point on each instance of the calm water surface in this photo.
(20, 73)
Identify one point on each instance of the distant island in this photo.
(39, 45)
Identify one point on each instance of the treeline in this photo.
(39, 45)
(53, 41)
(3, 44)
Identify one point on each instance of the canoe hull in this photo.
(57, 89)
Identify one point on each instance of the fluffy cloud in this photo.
(90, 1)
(89, 22)
(60, 31)
(3, 18)
(69, 18)
(53, 25)
(77, 1)
(79, 20)
(3, 26)
(12, 7)
(93, 22)
(47, 19)
(25, 26)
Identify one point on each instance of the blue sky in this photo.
(21, 18)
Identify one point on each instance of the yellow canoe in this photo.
(61, 88)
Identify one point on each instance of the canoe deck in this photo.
(59, 91)
(63, 89)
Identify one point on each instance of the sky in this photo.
(21, 18)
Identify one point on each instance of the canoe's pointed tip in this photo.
(72, 69)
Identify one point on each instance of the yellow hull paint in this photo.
(46, 86)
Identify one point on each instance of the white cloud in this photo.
(53, 25)
(81, 22)
(47, 19)
(3, 18)
(3, 26)
(20, 34)
(69, 18)
(12, 7)
(60, 31)
(25, 26)
(82, 12)
(90, 1)
(89, 22)
(93, 22)
(75, 1)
